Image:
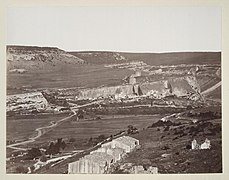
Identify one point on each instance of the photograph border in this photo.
(224, 4)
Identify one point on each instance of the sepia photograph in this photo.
(113, 90)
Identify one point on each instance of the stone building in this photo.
(205, 145)
(195, 145)
(116, 152)
(96, 163)
(125, 142)
(100, 160)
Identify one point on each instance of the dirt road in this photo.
(42, 130)
(211, 88)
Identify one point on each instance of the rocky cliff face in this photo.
(185, 86)
(30, 57)
(26, 102)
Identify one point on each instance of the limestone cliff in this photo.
(183, 86)
(32, 57)
(26, 102)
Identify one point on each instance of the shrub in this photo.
(71, 140)
(21, 170)
(165, 147)
(32, 168)
(34, 153)
(166, 128)
(43, 158)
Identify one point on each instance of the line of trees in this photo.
(55, 148)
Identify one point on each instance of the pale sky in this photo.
(130, 29)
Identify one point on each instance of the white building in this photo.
(206, 144)
(100, 160)
(125, 142)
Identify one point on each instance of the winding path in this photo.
(211, 88)
(40, 131)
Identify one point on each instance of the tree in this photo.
(131, 129)
(43, 158)
(34, 153)
(101, 137)
(53, 148)
(63, 145)
(71, 140)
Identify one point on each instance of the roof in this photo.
(117, 151)
(126, 140)
(106, 145)
(99, 157)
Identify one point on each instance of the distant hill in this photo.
(100, 57)
(33, 57)
(174, 58)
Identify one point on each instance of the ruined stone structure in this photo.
(195, 145)
(100, 160)
(205, 145)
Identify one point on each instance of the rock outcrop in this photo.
(31, 57)
(27, 102)
(185, 86)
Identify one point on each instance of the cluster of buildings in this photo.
(205, 145)
(100, 160)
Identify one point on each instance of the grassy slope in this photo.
(67, 76)
(92, 128)
(24, 127)
(179, 160)
(153, 58)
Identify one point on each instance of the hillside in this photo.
(100, 57)
(21, 59)
(175, 58)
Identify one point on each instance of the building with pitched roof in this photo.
(125, 142)
(101, 159)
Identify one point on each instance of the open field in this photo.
(66, 76)
(103, 57)
(107, 126)
(21, 128)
